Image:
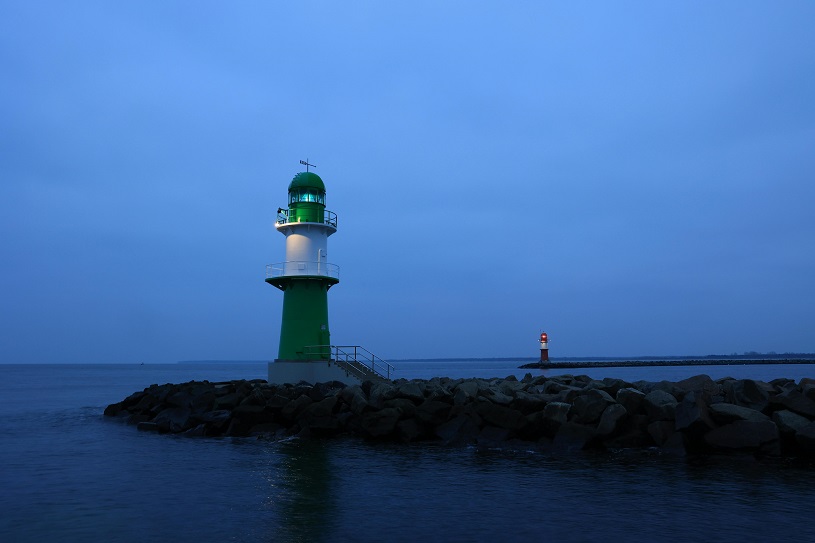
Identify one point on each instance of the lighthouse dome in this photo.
(307, 180)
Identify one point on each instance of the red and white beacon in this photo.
(544, 347)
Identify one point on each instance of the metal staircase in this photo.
(356, 361)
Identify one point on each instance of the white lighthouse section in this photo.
(306, 251)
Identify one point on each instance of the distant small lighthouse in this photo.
(305, 277)
(544, 347)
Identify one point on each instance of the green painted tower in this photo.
(305, 276)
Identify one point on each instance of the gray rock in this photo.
(725, 413)
(700, 383)
(633, 434)
(608, 385)
(251, 414)
(469, 389)
(174, 419)
(498, 415)
(381, 392)
(611, 419)
(660, 405)
(789, 422)
(742, 434)
(808, 389)
(748, 393)
(794, 400)
(458, 431)
(435, 391)
(379, 423)
(804, 436)
(228, 401)
(573, 437)
(409, 430)
(324, 407)
(147, 427)
(692, 414)
(557, 412)
(631, 399)
(660, 431)
(432, 412)
(496, 396)
(405, 406)
(294, 407)
(528, 403)
(410, 391)
(589, 405)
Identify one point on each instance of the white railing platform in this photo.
(294, 268)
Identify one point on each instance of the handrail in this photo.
(302, 267)
(329, 218)
(357, 359)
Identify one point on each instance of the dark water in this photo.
(67, 474)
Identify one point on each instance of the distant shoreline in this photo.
(553, 364)
(591, 361)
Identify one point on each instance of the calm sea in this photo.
(67, 474)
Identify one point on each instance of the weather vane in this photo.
(306, 164)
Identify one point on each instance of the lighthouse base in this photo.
(316, 371)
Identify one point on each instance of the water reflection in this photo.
(301, 491)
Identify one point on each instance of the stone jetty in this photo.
(696, 416)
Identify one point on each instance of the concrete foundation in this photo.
(315, 371)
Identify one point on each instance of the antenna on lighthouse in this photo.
(306, 164)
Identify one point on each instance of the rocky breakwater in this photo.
(561, 413)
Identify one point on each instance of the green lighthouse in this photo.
(305, 276)
(306, 352)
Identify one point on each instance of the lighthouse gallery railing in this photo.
(297, 267)
(329, 218)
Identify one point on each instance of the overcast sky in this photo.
(634, 178)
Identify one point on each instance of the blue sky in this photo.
(635, 178)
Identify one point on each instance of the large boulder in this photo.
(174, 420)
(789, 422)
(631, 399)
(379, 423)
(379, 392)
(748, 393)
(806, 438)
(589, 405)
(500, 416)
(410, 391)
(409, 430)
(496, 396)
(528, 403)
(459, 430)
(700, 383)
(574, 437)
(557, 412)
(725, 413)
(292, 409)
(660, 405)
(611, 419)
(692, 414)
(795, 400)
(660, 431)
(608, 385)
(432, 412)
(743, 434)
